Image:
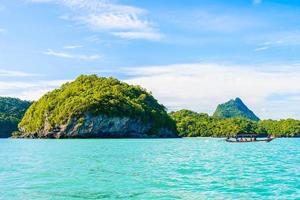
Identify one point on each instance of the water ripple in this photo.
(197, 168)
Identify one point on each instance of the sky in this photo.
(190, 54)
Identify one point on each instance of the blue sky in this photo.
(191, 54)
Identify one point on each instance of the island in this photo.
(101, 107)
(97, 107)
(230, 119)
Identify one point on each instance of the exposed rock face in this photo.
(102, 127)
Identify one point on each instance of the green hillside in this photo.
(235, 109)
(88, 97)
(11, 112)
(193, 124)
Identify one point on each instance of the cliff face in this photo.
(101, 126)
(235, 109)
(97, 107)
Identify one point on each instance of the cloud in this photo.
(262, 48)
(28, 90)
(286, 38)
(40, 1)
(271, 92)
(201, 87)
(73, 46)
(136, 35)
(10, 73)
(106, 16)
(111, 21)
(67, 55)
(278, 39)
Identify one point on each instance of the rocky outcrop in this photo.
(102, 126)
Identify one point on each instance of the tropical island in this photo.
(98, 107)
(230, 119)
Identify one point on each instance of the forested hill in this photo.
(11, 112)
(193, 124)
(235, 109)
(97, 107)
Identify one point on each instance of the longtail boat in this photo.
(248, 138)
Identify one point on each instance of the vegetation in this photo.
(281, 128)
(11, 112)
(94, 95)
(192, 124)
(235, 109)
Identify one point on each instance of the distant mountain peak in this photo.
(238, 100)
(235, 108)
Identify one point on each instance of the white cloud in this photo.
(141, 35)
(271, 92)
(111, 21)
(201, 87)
(10, 73)
(73, 46)
(262, 48)
(14, 85)
(28, 90)
(277, 40)
(67, 55)
(107, 16)
(40, 1)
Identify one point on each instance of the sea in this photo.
(188, 168)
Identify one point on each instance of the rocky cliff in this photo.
(101, 126)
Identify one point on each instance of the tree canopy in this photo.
(94, 95)
(192, 124)
(235, 109)
(11, 112)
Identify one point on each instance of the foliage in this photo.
(282, 128)
(235, 109)
(94, 95)
(11, 112)
(192, 124)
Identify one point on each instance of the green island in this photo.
(92, 107)
(230, 119)
(11, 112)
(98, 107)
(192, 124)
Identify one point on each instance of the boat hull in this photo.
(265, 140)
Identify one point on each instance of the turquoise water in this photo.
(199, 168)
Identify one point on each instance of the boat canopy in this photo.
(246, 136)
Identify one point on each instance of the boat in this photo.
(248, 138)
